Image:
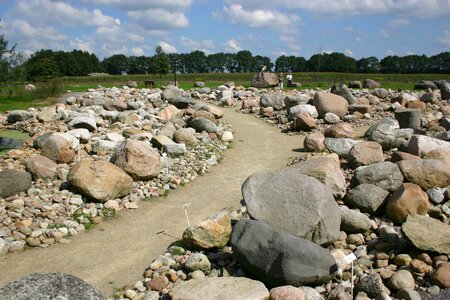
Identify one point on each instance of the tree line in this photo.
(47, 64)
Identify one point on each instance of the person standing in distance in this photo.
(289, 79)
(280, 81)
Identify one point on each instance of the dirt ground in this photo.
(116, 252)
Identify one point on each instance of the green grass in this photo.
(13, 96)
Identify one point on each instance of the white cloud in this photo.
(259, 18)
(420, 8)
(349, 29)
(145, 4)
(390, 52)
(232, 46)
(137, 51)
(159, 19)
(167, 48)
(37, 32)
(410, 53)
(291, 43)
(349, 52)
(80, 44)
(358, 39)
(117, 21)
(445, 40)
(385, 33)
(61, 13)
(205, 45)
(135, 38)
(110, 50)
(397, 23)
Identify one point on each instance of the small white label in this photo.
(349, 258)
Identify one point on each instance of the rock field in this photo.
(382, 196)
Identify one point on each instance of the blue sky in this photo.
(358, 28)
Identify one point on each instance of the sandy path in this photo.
(116, 252)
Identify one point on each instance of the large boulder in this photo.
(168, 113)
(100, 180)
(327, 170)
(408, 118)
(425, 84)
(41, 167)
(181, 102)
(88, 123)
(264, 79)
(444, 86)
(384, 133)
(340, 146)
(219, 288)
(214, 232)
(408, 199)
(171, 92)
(14, 182)
(422, 144)
(353, 221)
(47, 114)
(138, 159)
(303, 121)
(385, 175)
(49, 286)
(59, 149)
(327, 102)
(427, 173)
(294, 100)
(279, 258)
(275, 100)
(370, 84)
(342, 130)
(427, 234)
(305, 108)
(293, 202)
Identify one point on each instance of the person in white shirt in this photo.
(289, 79)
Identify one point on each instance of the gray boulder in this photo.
(385, 175)
(444, 86)
(279, 258)
(171, 92)
(294, 100)
(201, 124)
(408, 118)
(427, 234)
(343, 91)
(181, 102)
(425, 84)
(49, 286)
(302, 108)
(41, 167)
(370, 84)
(88, 123)
(352, 221)
(366, 197)
(340, 146)
(293, 202)
(174, 149)
(327, 102)
(14, 182)
(18, 116)
(384, 133)
(422, 144)
(275, 100)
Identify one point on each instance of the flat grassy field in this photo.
(13, 96)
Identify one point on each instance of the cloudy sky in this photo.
(358, 28)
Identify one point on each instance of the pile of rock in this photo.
(384, 199)
(98, 153)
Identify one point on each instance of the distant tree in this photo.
(231, 64)
(315, 62)
(196, 62)
(368, 65)
(261, 61)
(440, 63)
(391, 64)
(216, 62)
(286, 64)
(41, 66)
(160, 62)
(138, 64)
(115, 65)
(6, 57)
(245, 61)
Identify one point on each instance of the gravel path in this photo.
(116, 252)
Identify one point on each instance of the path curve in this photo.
(116, 252)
